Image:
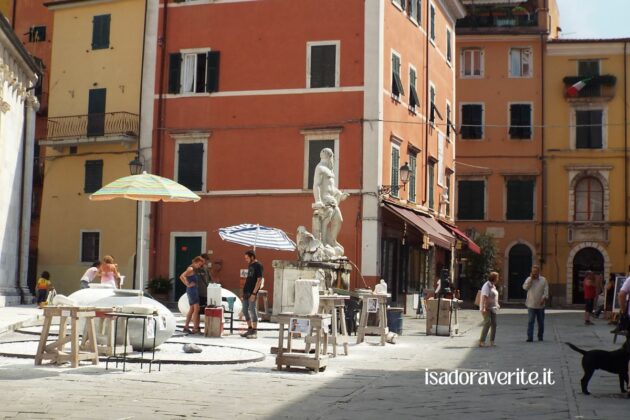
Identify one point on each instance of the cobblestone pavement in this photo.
(373, 382)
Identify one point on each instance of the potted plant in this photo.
(159, 287)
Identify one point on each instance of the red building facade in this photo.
(249, 92)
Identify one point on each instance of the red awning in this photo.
(471, 245)
(438, 235)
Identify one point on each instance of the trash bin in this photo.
(395, 320)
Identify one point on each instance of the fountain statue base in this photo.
(331, 274)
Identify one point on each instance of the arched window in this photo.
(589, 200)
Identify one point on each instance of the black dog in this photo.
(611, 361)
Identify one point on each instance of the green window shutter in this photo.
(431, 182)
(520, 121)
(212, 71)
(93, 176)
(394, 171)
(200, 73)
(90, 244)
(472, 119)
(174, 72)
(412, 177)
(323, 66)
(588, 130)
(470, 200)
(190, 165)
(100, 31)
(520, 199)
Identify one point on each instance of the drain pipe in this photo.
(155, 208)
(625, 145)
(543, 174)
(427, 111)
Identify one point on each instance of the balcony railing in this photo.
(601, 87)
(113, 124)
(498, 17)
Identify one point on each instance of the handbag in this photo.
(478, 298)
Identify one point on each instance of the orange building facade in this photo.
(251, 92)
(500, 46)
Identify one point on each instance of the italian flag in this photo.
(573, 90)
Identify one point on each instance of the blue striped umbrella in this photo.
(257, 236)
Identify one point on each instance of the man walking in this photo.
(537, 295)
(252, 285)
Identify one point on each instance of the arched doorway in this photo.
(519, 267)
(587, 259)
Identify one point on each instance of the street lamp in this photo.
(135, 166)
(404, 173)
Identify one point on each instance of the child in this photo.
(43, 285)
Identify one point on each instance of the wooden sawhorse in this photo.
(84, 350)
(381, 308)
(286, 357)
(335, 306)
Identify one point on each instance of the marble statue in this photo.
(327, 218)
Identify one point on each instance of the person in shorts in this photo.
(191, 280)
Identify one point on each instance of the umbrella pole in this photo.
(141, 250)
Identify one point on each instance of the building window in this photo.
(37, 34)
(520, 121)
(430, 184)
(586, 69)
(415, 10)
(589, 129)
(394, 170)
(449, 47)
(472, 121)
(97, 100)
(432, 106)
(397, 86)
(93, 176)
(100, 31)
(194, 72)
(314, 149)
(471, 200)
(190, 168)
(412, 176)
(323, 65)
(449, 121)
(589, 200)
(447, 195)
(413, 94)
(472, 62)
(520, 62)
(520, 199)
(90, 246)
(441, 166)
(432, 23)
(400, 3)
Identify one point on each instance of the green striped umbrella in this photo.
(143, 188)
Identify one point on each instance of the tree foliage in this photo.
(478, 266)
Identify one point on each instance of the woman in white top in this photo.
(489, 306)
(90, 274)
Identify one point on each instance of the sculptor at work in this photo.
(327, 218)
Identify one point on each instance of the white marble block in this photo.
(306, 297)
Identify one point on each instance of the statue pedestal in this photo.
(329, 273)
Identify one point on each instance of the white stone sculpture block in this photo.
(306, 297)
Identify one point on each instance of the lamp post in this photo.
(135, 166)
(404, 173)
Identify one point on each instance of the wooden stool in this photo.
(265, 314)
(84, 350)
(380, 329)
(335, 305)
(286, 357)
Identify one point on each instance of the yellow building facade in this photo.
(585, 164)
(92, 135)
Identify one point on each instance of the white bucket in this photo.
(214, 294)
